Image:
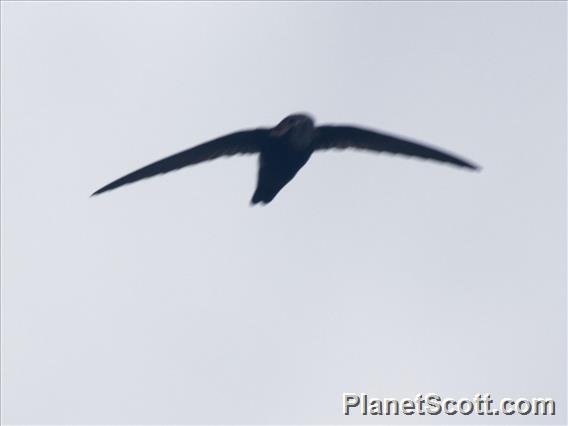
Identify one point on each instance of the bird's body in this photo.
(284, 150)
(280, 159)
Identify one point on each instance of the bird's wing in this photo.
(342, 137)
(244, 142)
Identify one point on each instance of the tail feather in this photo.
(263, 195)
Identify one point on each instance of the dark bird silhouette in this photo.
(285, 149)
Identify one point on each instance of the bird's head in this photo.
(301, 123)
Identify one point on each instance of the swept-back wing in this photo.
(243, 142)
(343, 137)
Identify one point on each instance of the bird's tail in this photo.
(262, 196)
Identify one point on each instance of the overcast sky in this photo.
(172, 301)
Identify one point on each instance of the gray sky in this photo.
(368, 273)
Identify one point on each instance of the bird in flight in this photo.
(283, 150)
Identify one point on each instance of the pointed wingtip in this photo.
(475, 167)
(97, 192)
(469, 165)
